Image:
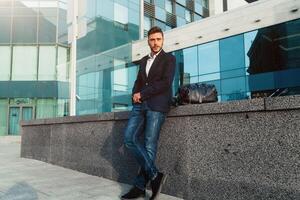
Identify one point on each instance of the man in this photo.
(151, 97)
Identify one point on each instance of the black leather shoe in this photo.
(157, 184)
(134, 193)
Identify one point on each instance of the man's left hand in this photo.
(137, 98)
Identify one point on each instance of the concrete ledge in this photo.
(236, 150)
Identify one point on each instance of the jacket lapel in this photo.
(155, 63)
(143, 68)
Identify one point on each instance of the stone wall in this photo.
(239, 150)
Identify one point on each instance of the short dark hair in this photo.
(155, 29)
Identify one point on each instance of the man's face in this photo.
(155, 42)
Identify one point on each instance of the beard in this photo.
(156, 49)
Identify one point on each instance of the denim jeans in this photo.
(143, 119)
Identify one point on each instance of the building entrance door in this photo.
(14, 118)
(17, 113)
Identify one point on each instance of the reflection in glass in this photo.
(62, 64)
(120, 13)
(24, 30)
(5, 24)
(169, 6)
(190, 73)
(3, 116)
(209, 58)
(47, 63)
(5, 57)
(24, 65)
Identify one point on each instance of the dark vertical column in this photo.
(225, 5)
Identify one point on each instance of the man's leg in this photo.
(154, 122)
(134, 128)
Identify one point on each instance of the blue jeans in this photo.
(142, 118)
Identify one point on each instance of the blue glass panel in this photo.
(180, 11)
(233, 88)
(190, 65)
(105, 9)
(160, 3)
(180, 21)
(182, 2)
(232, 55)
(5, 24)
(160, 14)
(248, 40)
(209, 61)
(169, 6)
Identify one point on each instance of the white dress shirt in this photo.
(150, 61)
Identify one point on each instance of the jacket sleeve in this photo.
(138, 82)
(164, 83)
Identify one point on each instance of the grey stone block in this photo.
(121, 115)
(215, 108)
(283, 103)
(235, 150)
(35, 142)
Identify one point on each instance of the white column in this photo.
(141, 19)
(73, 59)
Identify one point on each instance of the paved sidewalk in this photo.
(27, 179)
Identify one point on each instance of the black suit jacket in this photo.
(156, 88)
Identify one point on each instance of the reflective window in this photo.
(5, 57)
(120, 13)
(62, 64)
(24, 63)
(160, 3)
(120, 78)
(160, 14)
(105, 8)
(47, 22)
(160, 24)
(180, 21)
(232, 56)
(205, 3)
(147, 23)
(133, 13)
(47, 63)
(24, 29)
(169, 6)
(62, 31)
(190, 65)
(45, 108)
(209, 58)
(180, 11)
(197, 17)
(182, 2)
(3, 116)
(198, 8)
(5, 24)
(188, 15)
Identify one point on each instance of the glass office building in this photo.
(105, 74)
(34, 57)
(35, 54)
(259, 63)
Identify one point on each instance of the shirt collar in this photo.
(154, 56)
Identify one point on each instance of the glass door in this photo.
(14, 119)
(17, 113)
(27, 113)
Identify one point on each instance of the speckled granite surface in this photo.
(236, 150)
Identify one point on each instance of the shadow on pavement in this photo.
(20, 190)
